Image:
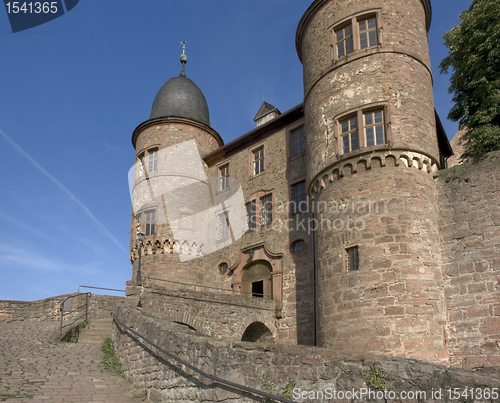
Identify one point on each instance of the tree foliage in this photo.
(474, 59)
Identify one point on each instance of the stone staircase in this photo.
(96, 331)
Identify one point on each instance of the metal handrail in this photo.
(99, 288)
(202, 286)
(86, 305)
(199, 371)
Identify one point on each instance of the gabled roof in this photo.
(264, 110)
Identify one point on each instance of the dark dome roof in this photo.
(180, 97)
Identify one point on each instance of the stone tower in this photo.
(179, 114)
(372, 154)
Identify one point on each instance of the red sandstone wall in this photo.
(49, 309)
(394, 303)
(469, 200)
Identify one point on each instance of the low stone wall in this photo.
(274, 368)
(224, 316)
(100, 307)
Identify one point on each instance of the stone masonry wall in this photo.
(270, 368)
(469, 201)
(100, 307)
(223, 316)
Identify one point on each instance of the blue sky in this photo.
(73, 90)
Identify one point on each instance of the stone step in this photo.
(96, 331)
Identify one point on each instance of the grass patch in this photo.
(378, 377)
(110, 361)
(3, 398)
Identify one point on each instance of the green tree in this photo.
(474, 59)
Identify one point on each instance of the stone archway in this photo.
(256, 280)
(261, 257)
(257, 332)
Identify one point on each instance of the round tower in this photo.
(372, 157)
(179, 115)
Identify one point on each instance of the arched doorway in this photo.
(258, 332)
(256, 280)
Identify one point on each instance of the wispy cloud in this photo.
(30, 228)
(64, 189)
(12, 255)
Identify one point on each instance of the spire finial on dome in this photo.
(184, 59)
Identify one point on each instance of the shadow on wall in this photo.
(257, 332)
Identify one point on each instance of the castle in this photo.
(355, 239)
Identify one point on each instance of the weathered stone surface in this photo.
(311, 369)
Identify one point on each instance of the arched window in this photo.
(256, 280)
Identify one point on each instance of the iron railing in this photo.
(202, 373)
(254, 294)
(66, 312)
(98, 288)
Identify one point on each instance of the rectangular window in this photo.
(299, 197)
(367, 33)
(352, 259)
(374, 128)
(298, 144)
(150, 222)
(344, 41)
(258, 160)
(224, 176)
(140, 165)
(349, 136)
(251, 215)
(266, 213)
(223, 227)
(153, 161)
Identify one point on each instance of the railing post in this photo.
(86, 307)
(60, 329)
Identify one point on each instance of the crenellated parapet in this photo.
(165, 246)
(372, 160)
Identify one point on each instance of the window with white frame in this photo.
(367, 32)
(251, 208)
(222, 227)
(150, 221)
(349, 134)
(365, 127)
(297, 142)
(357, 33)
(344, 41)
(258, 160)
(266, 209)
(224, 176)
(374, 127)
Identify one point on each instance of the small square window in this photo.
(299, 197)
(258, 160)
(352, 259)
(298, 142)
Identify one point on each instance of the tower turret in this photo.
(372, 154)
(179, 114)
